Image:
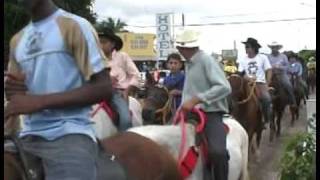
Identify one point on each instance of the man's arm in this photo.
(269, 76)
(97, 89)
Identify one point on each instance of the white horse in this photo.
(103, 124)
(169, 136)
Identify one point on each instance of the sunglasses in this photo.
(248, 47)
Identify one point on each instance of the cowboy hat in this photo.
(275, 44)
(109, 34)
(188, 39)
(253, 42)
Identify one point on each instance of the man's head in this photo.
(275, 47)
(174, 62)
(188, 43)
(110, 41)
(252, 47)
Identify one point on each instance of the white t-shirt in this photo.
(255, 67)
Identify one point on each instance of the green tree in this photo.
(79, 7)
(306, 54)
(115, 24)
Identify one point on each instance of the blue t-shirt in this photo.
(175, 81)
(57, 54)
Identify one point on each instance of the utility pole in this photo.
(182, 20)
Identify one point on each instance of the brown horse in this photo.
(142, 159)
(244, 106)
(156, 105)
(279, 101)
(311, 80)
(299, 94)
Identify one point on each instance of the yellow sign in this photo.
(138, 44)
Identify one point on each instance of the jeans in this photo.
(217, 150)
(265, 101)
(122, 107)
(71, 157)
(285, 82)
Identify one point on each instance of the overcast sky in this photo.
(294, 35)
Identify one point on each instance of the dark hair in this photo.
(256, 49)
(174, 56)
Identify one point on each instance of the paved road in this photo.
(267, 168)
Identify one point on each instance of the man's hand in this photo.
(14, 84)
(188, 105)
(22, 104)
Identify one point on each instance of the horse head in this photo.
(155, 104)
(239, 87)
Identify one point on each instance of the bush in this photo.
(298, 160)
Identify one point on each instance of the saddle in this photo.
(110, 110)
(107, 165)
(188, 163)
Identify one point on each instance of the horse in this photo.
(279, 101)
(170, 137)
(156, 108)
(142, 158)
(311, 80)
(299, 94)
(244, 106)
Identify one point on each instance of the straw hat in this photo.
(188, 39)
(275, 44)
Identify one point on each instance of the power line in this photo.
(230, 23)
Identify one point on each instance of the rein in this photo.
(187, 163)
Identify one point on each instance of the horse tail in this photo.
(244, 153)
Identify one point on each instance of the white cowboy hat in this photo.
(275, 44)
(188, 39)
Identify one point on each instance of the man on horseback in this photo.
(280, 65)
(56, 72)
(124, 74)
(256, 67)
(207, 87)
(295, 69)
(174, 82)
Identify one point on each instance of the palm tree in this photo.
(115, 25)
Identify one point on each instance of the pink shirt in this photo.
(123, 70)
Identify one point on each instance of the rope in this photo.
(166, 108)
(241, 85)
(250, 95)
